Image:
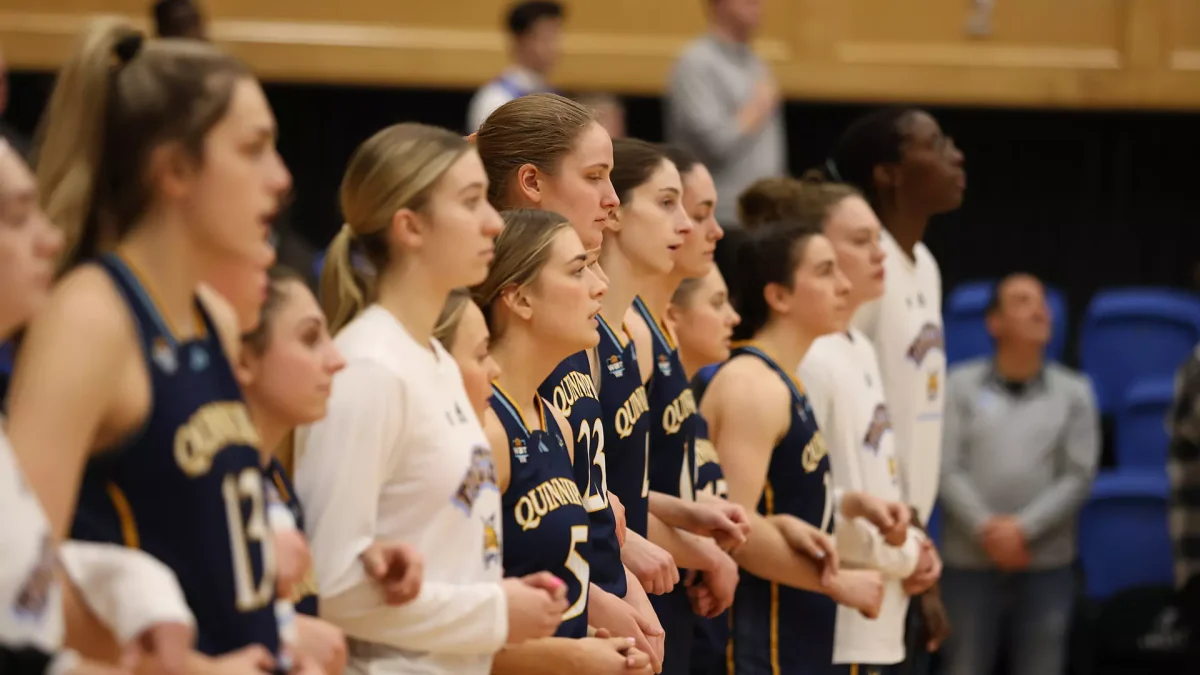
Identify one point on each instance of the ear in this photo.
(245, 370)
(516, 299)
(529, 182)
(778, 297)
(992, 321)
(173, 169)
(887, 175)
(672, 316)
(408, 228)
(614, 219)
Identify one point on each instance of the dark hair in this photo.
(766, 255)
(808, 200)
(634, 161)
(177, 19)
(523, 15)
(685, 160)
(994, 302)
(115, 101)
(873, 139)
(258, 339)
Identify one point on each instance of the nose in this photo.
(717, 231)
(283, 177)
(493, 224)
(683, 224)
(608, 198)
(841, 283)
(598, 287)
(878, 255)
(335, 360)
(50, 241)
(734, 317)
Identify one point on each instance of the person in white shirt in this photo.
(535, 30)
(909, 171)
(841, 375)
(401, 455)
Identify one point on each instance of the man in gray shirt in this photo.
(1021, 443)
(723, 104)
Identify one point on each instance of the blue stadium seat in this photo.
(1141, 424)
(1134, 333)
(934, 527)
(1123, 539)
(966, 331)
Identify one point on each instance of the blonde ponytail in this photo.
(344, 290)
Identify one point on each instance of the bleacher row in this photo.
(1131, 343)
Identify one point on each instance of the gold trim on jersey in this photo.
(759, 346)
(129, 529)
(624, 329)
(200, 329)
(512, 402)
(769, 498)
(661, 324)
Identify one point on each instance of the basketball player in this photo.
(909, 171)
(158, 159)
(414, 201)
(789, 292)
(462, 330)
(547, 152)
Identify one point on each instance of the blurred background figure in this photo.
(1022, 441)
(179, 19)
(535, 31)
(609, 111)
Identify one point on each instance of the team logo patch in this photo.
(480, 476)
(31, 602)
(664, 365)
(932, 385)
(930, 337)
(520, 451)
(881, 423)
(198, 358)
(616, 366)
(163, 356)
(491, 542)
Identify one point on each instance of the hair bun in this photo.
(128, 47)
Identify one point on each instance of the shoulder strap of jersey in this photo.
(746, 348)
(661, 338)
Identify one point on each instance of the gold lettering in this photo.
(630, 412)
(573, 386)
(814, 452)
(543, 499)
(683, 407)
(210, 430)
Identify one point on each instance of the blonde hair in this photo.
(395, 169)
(117, 98)
(539, 129)
(448, 321)
(522, 250)
(774, 200)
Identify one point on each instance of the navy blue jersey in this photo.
(545, 521)
(712, 635)
(188, 487)
(304, 595)
(774, 628)
(626, 426)
(672, 415)
(571, 389)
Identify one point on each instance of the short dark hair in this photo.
(523, 15)
(766, 255)
(170, 23)
(634, 162)
(993, 304)
(873, 139)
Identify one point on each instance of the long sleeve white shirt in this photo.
(401, 456)
(841, 375)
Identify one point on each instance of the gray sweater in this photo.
(710, 83)
(1031, 454)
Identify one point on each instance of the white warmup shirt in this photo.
(905, 327)
(841, 375)
(515, 82)
(401, 456)
(32, 615)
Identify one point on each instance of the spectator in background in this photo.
(1183, 465)
(723, 104)
(609, 112)
(179, 19)
(535, 28)
(1022, 440)
(16, 140)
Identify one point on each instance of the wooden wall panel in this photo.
(1072, 53)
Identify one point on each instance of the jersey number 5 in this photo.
(245, 532)
(579, 567)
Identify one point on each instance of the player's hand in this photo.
(252, 660)
(929, 570)
(937, 622)
(610, 656)
(651, 564)
(615, 617)
(618, 510)
(890, 518)
(162, 648)
(1004, 541)
(397, 567)
(293, 560)
(860, 589)
(656, 636)
(811, 542)
(723, 521)
(322, 642)
(712, 591)
(535, 606)
(306, 665)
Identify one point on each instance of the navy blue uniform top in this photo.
(672, 415)
(304, 595)
(626, 426)
(776, 628)
(571, 389)
(188, 488)
(711, 634)
(545, 521)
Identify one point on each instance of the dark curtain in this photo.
(1083, 199)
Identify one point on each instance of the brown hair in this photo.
(773, 200)
(685, 290)
(115, 101)
(522, 250)
(634, 161)
(446, 329)
(397, 168)
(539, 129)
(280, 276)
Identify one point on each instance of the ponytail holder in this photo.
(472, 137)
(832, 170)
(128, 47)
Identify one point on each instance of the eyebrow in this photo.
(582, 257)
(476, 184)
(673, 190)
(599, 165)
(266, 131)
